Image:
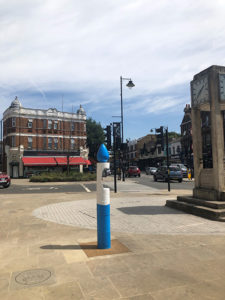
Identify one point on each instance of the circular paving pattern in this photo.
(130, 215)
(32, 277)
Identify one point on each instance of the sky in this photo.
(73, 52)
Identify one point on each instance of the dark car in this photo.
(133, 171)
(162, 174)
(5, 180)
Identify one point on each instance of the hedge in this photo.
(57, 176)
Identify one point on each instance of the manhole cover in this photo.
(31, 277)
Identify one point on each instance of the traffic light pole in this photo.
(167, 158)
(114, 158)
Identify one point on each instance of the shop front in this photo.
(40, 164)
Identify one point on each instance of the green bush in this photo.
(59, 177)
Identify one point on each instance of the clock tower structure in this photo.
(208, 131)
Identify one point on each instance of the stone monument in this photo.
(208, 124)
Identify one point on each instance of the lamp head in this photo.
(130, 84)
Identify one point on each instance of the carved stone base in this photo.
(208, 194)
(214, 210)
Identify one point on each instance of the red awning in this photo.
(54, 161)
(88, 162)
(39, 161)
(62, 161)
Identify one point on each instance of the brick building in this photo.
(36, 140)
(149, 152)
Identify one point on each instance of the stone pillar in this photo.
(21, 150)
(197, 144)
(216, 133)
(7, 160)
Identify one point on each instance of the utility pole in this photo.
(114, 156)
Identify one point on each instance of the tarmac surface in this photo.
(45, 239)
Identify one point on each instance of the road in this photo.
(85, 187)
(31, 188)
(161, 185)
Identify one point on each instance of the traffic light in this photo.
(124, 146)
(108, 137)
(117, 135)
(160, 137)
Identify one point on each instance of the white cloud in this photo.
(84, 46)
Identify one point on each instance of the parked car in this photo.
(162, 173)
(150, 170)
(133, 171)
(106, 172)
(5, 180)
(182, 168)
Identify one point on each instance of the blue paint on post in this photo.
(103, 226)
(103, 154)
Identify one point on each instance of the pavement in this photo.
(48, 247)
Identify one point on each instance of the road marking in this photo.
(30, 189)
(86, 189)
(53, 188)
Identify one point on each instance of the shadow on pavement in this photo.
(68, 247)
(148, 210)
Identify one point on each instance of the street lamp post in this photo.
(130, 84)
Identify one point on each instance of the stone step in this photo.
(202, 211)
(201, 202)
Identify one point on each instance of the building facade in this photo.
(175, 150)
(1, 155)
(131, 155)
(149, 152)
(37, 139)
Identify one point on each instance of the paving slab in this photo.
(172, 255)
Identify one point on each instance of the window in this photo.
(173, 150)
(13, 122)
(44, 143)
(13, 141)
(49, 124)
(72, 144)
(72, 126)
(159, 150)
(30, 142)
(50, 143)
(30, 123)
(56, 143)
(55, 125)
(44, 124)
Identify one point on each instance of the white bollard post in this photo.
(103, 203)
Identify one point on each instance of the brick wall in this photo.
(41, 127)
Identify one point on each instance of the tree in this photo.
(95, 136)
(173, 134)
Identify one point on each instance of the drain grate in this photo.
(32, 277)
